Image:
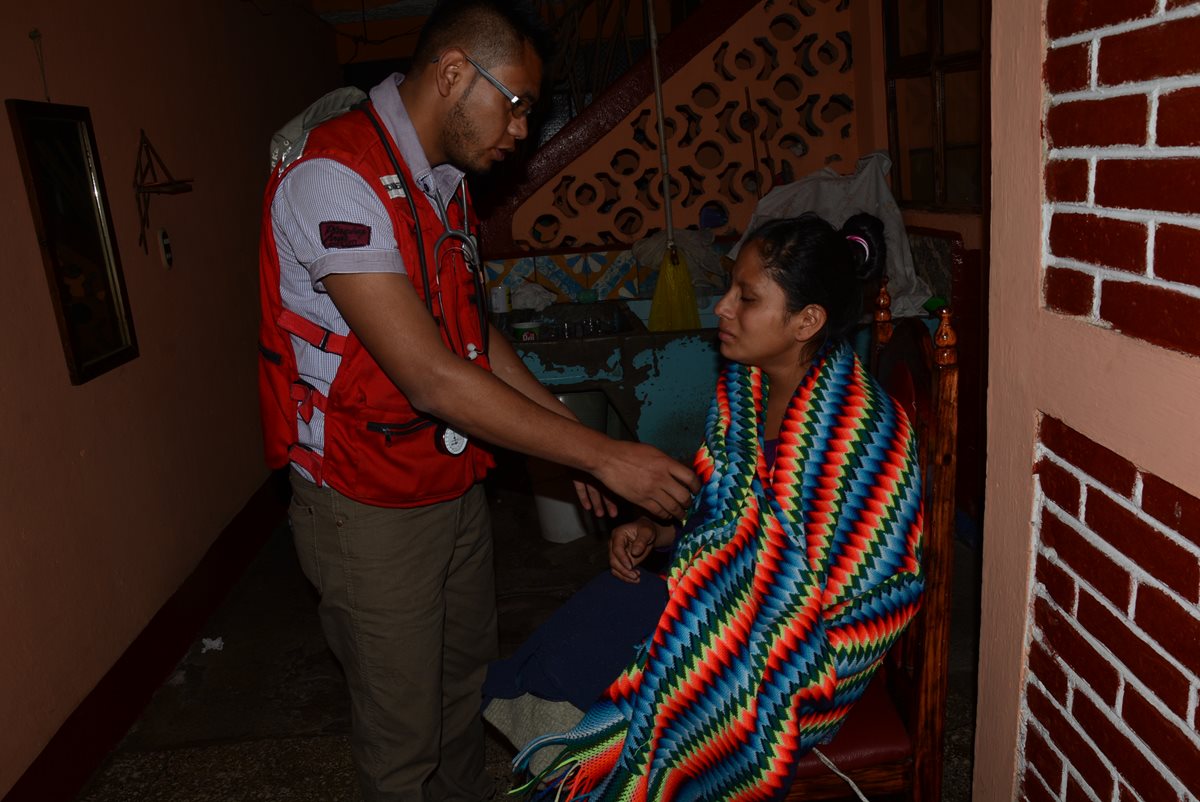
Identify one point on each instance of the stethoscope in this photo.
(448, 440)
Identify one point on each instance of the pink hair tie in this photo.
(866, 248)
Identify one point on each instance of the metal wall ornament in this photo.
(56, 147)
(148, 181)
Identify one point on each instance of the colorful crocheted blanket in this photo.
(789, 584)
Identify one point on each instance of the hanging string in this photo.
(662, 134)
(36, 36)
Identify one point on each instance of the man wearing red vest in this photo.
(381, 380)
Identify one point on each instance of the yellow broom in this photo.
(674, 303)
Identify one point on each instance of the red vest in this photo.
(378, 449)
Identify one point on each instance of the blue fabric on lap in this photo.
(584, 645)
(587, 642)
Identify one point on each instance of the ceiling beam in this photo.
(401, 9)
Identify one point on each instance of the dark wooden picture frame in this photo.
(57, 150)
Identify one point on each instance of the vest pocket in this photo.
(392, 431)
(389, 458)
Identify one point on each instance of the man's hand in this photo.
(631, 543)
(647, 477)
(593, 499)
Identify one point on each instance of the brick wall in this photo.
(1123, 169)
(1110, 708)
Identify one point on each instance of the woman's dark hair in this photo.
(815, 263)
(492, 31)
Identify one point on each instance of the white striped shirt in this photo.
(321, 191)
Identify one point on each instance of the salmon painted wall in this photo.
(1132, 398)
(970, 226)
(113, 490)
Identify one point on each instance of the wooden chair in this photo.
(892, 740)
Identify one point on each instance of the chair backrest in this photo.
(920, 369)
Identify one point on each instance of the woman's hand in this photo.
(631, 543)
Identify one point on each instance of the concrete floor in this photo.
(265, 716)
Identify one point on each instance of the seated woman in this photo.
(797, 566)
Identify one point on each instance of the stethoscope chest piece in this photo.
(451, 442)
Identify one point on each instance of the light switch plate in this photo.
(164, 248)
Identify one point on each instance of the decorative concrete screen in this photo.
(769, 101)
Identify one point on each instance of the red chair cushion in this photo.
(872, 733)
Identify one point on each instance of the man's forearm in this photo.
(509, 368)
(390, 320)
(544, 427)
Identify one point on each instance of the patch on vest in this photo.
(345, 235)
(392, 184)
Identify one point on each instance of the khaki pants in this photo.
(408, 606)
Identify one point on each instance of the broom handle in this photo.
(662, 135)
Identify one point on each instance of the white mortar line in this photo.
(1031, 572)
(1125, 27)
(1094, 64)
(1120, 215)
(1152, 129)
(1151, 236)
(1107, 91)
(1097, 294)
(1151, 698)
(1053, 557)
(1136, 152)
(1122, 277)
(1047, 216)
(1030, 721)
(1070, 771)
(1042, 550)
(1065, 712)
(1115, 796)
(1130, 215)
(1091, 190)
(1138, 744)
(1081, 582)
(1089, 482)
(1076, 684)
(1084, 489)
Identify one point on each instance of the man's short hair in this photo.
(493, 32)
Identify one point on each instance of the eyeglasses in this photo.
(519, 106)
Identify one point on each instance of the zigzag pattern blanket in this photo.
(789, 584)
